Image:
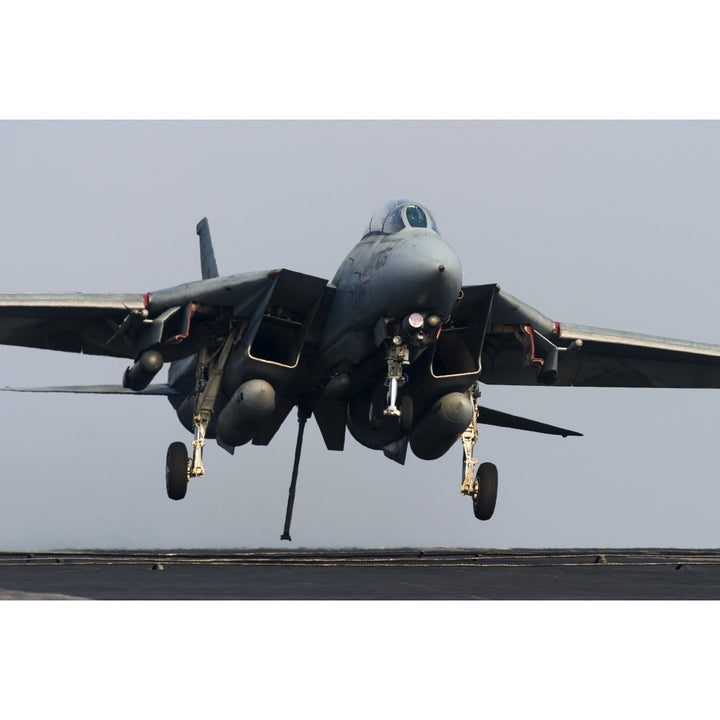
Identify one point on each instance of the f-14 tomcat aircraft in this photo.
(393, 349)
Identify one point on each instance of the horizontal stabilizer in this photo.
(98, 390)
(487, 416)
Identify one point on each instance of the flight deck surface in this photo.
(387, 574)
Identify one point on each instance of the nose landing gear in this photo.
(382, 407)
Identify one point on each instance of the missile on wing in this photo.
(252, 404)
(146, 367)
(439, 428)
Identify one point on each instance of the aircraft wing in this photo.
(172, 320)
(524, 347)
(73, 322)
(158, 389)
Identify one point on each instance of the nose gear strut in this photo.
(397, 357)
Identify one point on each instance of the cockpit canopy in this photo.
(398, 215)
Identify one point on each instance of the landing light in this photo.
(416, 320)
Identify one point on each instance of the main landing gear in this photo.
(179, 467)
(482, 486)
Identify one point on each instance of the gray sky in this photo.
(611, 224)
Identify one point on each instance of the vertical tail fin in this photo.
(207, 254)
(181, 375)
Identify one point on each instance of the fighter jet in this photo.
(394, 350)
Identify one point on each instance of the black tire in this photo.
(484, 503)
(406, 413)
(176, 471)
(377, 406)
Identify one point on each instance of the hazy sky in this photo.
(611, 224)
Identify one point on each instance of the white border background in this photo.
(329, 60)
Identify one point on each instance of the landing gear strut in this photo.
(398, 356)
(208, 375)
(483, 485)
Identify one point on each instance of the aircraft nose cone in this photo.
(433, 272)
